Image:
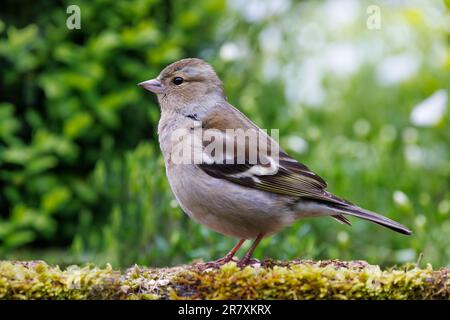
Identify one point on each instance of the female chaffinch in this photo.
(227, 191)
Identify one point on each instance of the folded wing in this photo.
(278, 173)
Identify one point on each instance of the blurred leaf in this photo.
(19, 238)
(78, 125)
(55, 199)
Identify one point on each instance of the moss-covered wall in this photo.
(269, 280)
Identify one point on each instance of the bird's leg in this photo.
(227, 258)
(232, 252)
(248, 256)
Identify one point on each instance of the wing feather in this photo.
(288, 178)
(285, 176)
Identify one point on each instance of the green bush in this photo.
(70, 113)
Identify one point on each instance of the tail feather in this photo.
(355, 211)
(342, 219)
(341, 207)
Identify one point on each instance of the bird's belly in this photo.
(226, 207)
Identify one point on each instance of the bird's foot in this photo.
(225, 259)
(247, 262)
(219, 262)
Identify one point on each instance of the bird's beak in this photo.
(153, 85)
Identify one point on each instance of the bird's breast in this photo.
(225, 207)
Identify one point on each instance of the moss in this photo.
(268, 280)
(316, 280)
(37, 280)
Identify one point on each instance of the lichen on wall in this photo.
(297, 279)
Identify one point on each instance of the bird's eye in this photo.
(178, 80)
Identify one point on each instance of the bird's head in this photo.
(185, 82)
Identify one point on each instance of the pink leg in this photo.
(232, 252)
(247, 258)
(227, 258)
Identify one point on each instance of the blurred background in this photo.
(359, 91)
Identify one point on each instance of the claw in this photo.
(217, 263)
(247, 262)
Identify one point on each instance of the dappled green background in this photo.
(81, 175)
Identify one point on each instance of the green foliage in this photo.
(71, 111)
(81, 173)
(273, 280)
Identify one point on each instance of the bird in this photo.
(239, 197)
